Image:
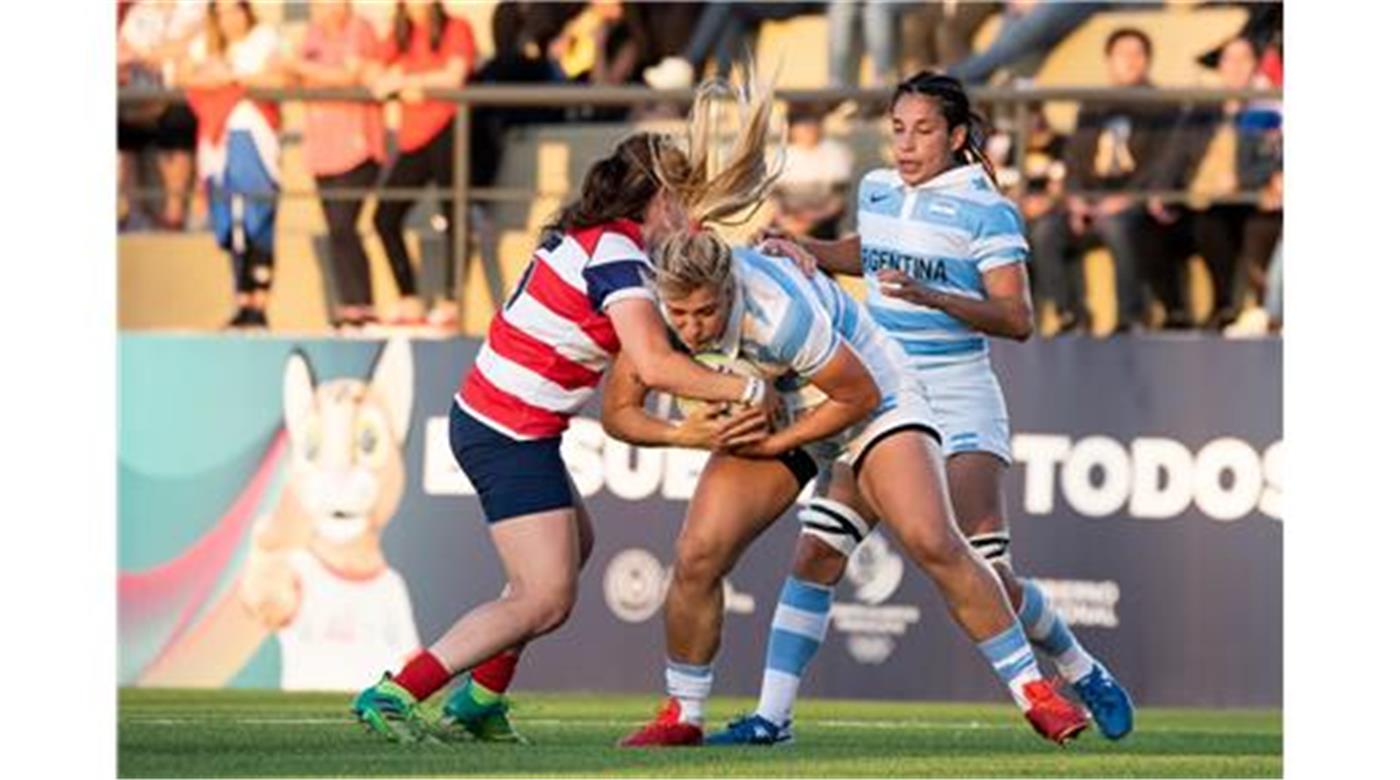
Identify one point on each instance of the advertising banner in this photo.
(290, 515)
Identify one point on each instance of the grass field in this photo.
(244, 733)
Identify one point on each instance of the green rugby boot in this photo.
(487, 720)
(390, 711)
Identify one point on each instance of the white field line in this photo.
(349, 721)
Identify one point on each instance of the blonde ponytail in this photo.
(723, 186)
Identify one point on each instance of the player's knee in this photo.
(699, 561)
(817, 561)
(550, 607)
(936, 549)
(831, 532)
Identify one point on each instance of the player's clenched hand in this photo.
(703, 428)
(743, 429)
(898, 284)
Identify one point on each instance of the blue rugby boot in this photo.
(752, 730)
(1107, 701)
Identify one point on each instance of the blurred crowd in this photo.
(216, 153)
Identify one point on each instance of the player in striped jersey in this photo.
(943, 256)
(585, 298)
(805, 331)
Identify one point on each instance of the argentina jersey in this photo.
(945, 233)
(789, 325)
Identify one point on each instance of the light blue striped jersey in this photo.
(946, 233)
(788, 325)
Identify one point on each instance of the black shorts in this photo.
(172, 131)
(511, 477)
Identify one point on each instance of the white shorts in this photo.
(910, 411)
(968, 408)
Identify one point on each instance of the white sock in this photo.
(689, 685)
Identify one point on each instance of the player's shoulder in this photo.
(985, 209)
(768, 274)
(880, 179)
(617, 240)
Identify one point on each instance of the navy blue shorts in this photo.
(513, 478)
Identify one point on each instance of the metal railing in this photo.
(533, 96)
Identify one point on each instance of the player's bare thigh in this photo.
(735, 500)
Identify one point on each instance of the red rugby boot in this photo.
(665, 730)
(1051, 715)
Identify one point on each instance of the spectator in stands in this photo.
(810, 194)
(1029, 28)
(426, 48)
(1042, 194)
(877, 22)
(1223, 150)
(939, 33)
(1112, 153)
(520, 40)
(238, 157)
(344, 144)
(151, 36)
(603, 45)
(722, 30)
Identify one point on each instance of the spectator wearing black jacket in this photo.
(1227, 149)
(1115, 149)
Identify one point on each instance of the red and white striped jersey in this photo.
(550, 343)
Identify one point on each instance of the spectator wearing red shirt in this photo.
(426, 49)
(344, 143)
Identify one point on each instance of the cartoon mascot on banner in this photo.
(315, 573)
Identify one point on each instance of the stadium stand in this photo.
(173, 280)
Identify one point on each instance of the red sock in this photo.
(423, 676)
(495, 673)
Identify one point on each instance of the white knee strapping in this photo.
(993, 547)
(834, 523)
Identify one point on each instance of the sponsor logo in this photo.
(872, 626)
(635, 582)
(1083, 602)
(634, 585)
(1150, 477)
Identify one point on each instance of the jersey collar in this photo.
(959, 178)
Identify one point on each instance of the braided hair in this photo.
(957, 111)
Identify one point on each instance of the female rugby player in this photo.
(943, 255)
(801, 331)
(585, 298)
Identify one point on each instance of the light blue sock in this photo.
(1011, 656)
(799, 626)
(1048, 631)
